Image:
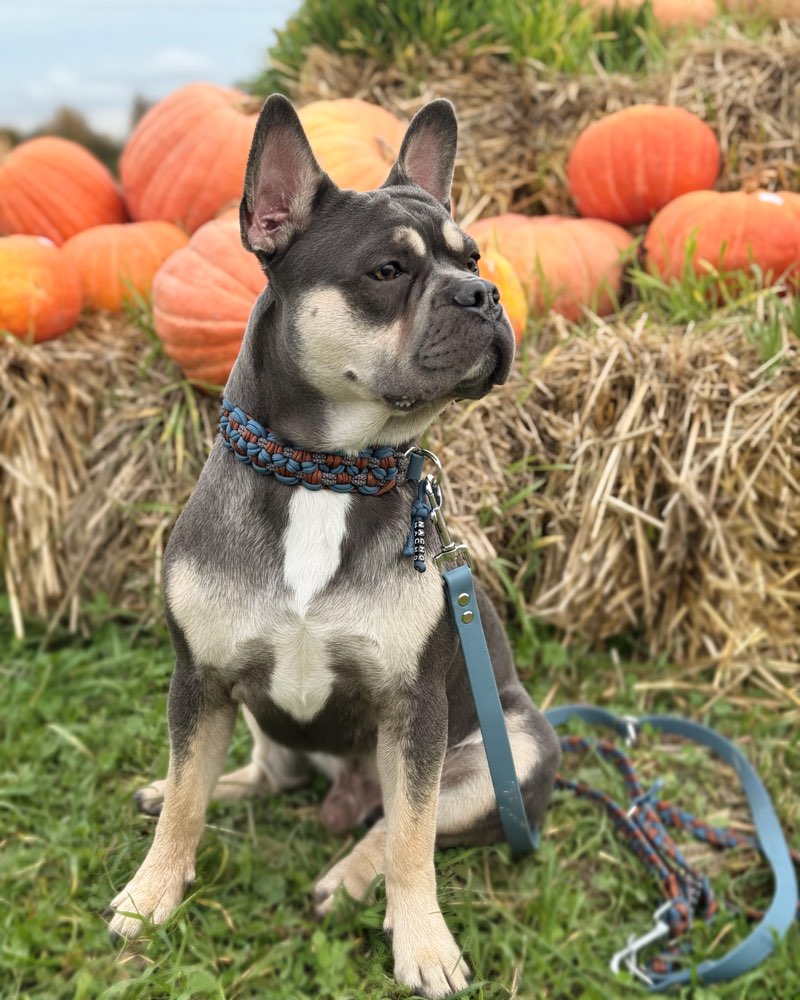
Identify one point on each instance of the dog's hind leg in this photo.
(201, 719)
(272, 769)
(467, 811)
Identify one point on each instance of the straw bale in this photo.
(517, 123)
(669, 504)
(632, 479)
(100, 443)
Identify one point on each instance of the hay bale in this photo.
(100, 444)
(633, 479)
(518, 123)
(669, 505)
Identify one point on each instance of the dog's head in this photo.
(379, 295)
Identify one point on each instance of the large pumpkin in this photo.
(495, 268)
(202, 298)
(55, 188)
(564, 264)
(117, 263)
(354, 141)
(628, 165)
(40, 290)
(187, 156)
(730, 231)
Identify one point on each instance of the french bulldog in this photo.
(298, 604)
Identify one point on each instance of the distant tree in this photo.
(139, 108)
(71, 124)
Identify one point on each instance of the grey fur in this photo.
(443, 337)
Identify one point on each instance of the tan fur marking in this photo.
(453, 236)
(158, 886)
(410, 238)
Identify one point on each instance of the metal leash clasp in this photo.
(451, 552)
(630, 953)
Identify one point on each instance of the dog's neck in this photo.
(269, 384)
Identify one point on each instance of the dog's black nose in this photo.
(477, 293)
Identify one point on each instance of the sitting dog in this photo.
(298, 603)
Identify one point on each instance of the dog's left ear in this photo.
(281, 183)
(428, 154)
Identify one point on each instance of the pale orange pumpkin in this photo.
(117, 263)
(730, 231)
(355, 142)
(187, 156)
(55, 188)
(495, 268)
(202, 298)
(564, 264)
(40, 289)
(626, 166)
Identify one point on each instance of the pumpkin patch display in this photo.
(202, 298)
(118, 263)
(727, 231)
(354, 141)
(628, 165)
(40, 289)
(55, 188)
(564, 264)
(186, 157)
(495, 268)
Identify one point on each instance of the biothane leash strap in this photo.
(782, 911)
(771, 841)
(464, 606)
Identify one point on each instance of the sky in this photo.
(95, 55)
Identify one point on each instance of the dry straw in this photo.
(669, 504)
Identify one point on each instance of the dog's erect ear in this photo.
(281, 182)
(428, 153)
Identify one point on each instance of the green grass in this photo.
(83, 727)
(406, 34)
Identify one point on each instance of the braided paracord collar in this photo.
(373, 471)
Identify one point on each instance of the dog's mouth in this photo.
(402, 403)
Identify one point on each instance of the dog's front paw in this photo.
(148, 897)
(426, 957)
(150, 799)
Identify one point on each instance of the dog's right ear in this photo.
(281, 182)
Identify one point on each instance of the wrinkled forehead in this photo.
(362, 230)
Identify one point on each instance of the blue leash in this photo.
(460, 591)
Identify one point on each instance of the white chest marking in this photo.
(312, 544)
(302, 679)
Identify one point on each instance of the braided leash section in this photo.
(373, 472)
(643, 827)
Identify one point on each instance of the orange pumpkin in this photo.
(40, 289)
(187, 156)
(564, 264)
(117, 263)
(731, 231)
(202, 298)
(55, 188)
(495, 268)
(628, 165)
(354, 141)
(669, 13)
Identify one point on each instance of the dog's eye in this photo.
(472, 263)
(386, 272)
